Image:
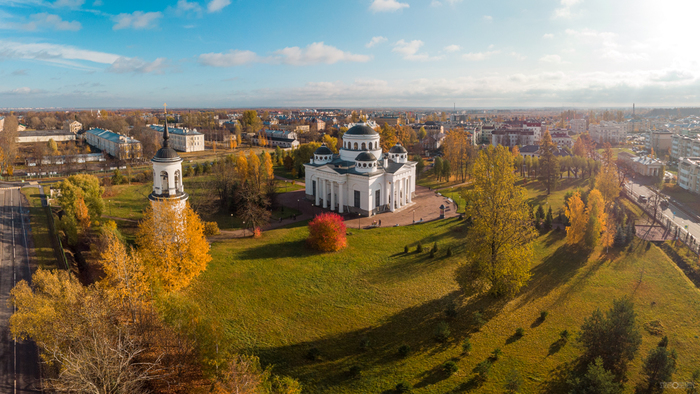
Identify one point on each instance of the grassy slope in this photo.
(43, 248)
(536, 192)
(280, 299)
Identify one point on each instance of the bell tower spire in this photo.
(166, 134)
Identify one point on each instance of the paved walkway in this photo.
(426, 206)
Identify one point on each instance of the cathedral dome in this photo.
(360, 129)
(323, 150)
(397, 148)
(366, 156)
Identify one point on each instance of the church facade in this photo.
(361, 178)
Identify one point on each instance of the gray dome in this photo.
(166, 152)
(323, 150)
(397, 149)
(360, 129)
(365, 156)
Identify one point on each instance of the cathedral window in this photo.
(364, 147)
(355, 145)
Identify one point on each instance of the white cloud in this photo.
(548, 36)
(606, 45)
(217, 5)
(97, 3)
(435, 3)
(409, 50)
(22, 91)
(387, 6)
(52, 53)
(230, 59)
(565, 10)
(124, 65)
(137, 20)
(488, 18)
(518, 56)
(316, 53)
(479, 56)
(185, 7)
(452, 48)
(52, 21)
(69, 3)
(375, 41)
(552, 59)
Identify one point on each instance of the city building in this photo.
(562, 139)
(116, 145)
(281, 138)
(317, 125)
(167, 175)
(578, 126)
(689, 173)
(642, 165)
(435, 134)
(683, 146)
(660, 141)
(512, 137)
(75, 126)
(607, 131)
(361, 178)
(390, 120)
(2, 123)
(183, 140)
(26, 137)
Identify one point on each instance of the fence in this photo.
(677, 230)
(58, 246)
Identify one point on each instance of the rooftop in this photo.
(111, 136)
(174, 130)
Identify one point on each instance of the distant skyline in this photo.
(355, 53)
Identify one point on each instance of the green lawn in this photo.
(536, 192)
(39, 222)
(275, 297)
(618, 150)
(429, 180)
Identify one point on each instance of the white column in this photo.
(406, 189)
(318, 191)
(392, 199)
(340, 197)
(410, 189)
(325, 194)
(332, 195)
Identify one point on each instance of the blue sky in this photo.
(383, 53)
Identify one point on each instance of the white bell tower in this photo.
(167, 173)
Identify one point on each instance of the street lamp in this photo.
(414, 216)
(359, 221)
(244, 228)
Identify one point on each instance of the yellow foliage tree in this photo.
(608, 236)
(575, 212)
(458, 152)
(268, 171)
(172, 245)
(595, 214)
(254, 174)
(608, 184)
(125, 276)
(241, 167)
(500, 238)
(331, 143)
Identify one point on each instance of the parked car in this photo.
(642, 199)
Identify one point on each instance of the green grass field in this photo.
(618, 150)
(536, 192)
(279, 299)
(429, 180)
(43, 244)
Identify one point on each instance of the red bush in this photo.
(327, 233)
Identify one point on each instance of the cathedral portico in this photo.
(360, 178)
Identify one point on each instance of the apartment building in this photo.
(116, 145)
(607, 131)
(283, 139)
(578, 126)
(660, 141)
(182, 140)
(562, 139)
(689, 173)
(513, 137)
(684, 146)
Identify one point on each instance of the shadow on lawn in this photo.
(553, 272)
(414, 327)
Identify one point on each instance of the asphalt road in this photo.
(19, 361)
(673, 211)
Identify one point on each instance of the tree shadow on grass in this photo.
(295, 248)
(558, 378)
(415, 327)
(431, 377)
(470, 385)
(554, 271)
(556, 346)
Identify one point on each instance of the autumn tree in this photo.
(241, 167)
(78, 331)
(172, 244)
(500, 237)
(595, 218)
(250, 121)
(458, 152)
(575, 212)
(267, 168)
(82, 204)
(327, 233)
(387, 137)
(549, 163)
(331, 143)
(254, 171)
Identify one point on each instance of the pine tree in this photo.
(597, 380)
(548, 220)
(659, 366)
(620, 237)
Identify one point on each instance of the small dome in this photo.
(397, 148)
(360, 129)
(166, 152)
(365, 156)
(323, 150)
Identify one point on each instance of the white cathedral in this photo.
(361, 179)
